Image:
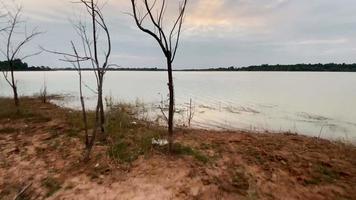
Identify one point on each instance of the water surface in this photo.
(308, 103)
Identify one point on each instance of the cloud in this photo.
(215, 32)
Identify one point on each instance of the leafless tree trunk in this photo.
(13, 84)
(89, 140)
(13, 48)
(100, 70)
(168, 41)
(171, 105)
(90, 49)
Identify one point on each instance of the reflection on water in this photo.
(308, 103)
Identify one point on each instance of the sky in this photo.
(216, 33)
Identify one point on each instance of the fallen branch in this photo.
(19, 195)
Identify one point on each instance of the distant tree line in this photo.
(21, 66)
(330, 67)
(113, 69)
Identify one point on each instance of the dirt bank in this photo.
(40, 149)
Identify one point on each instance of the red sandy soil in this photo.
(241, 166)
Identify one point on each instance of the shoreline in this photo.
(222, 128)
(44, 147)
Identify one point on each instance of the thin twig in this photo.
(18, 196)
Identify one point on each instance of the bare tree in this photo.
(167, 40)
(89, 140)
(43, 91)
(91, 51)
(90, 54)
(190, 112)
(13, 48)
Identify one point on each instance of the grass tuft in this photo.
(7, 130)
(131, 137)
(180, 149)
(240, 182)
(52, 186)
(322, 173)
(121, 151)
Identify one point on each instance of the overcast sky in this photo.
(216, 32)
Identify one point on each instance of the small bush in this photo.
(180, 149)
(240, 182)
(131, 139)
(121, 151)
(130, 145)
(326, 173)
(118, 120)
(322, 173)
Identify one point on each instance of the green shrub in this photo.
(121, 151)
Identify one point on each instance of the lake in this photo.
(303, 102)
